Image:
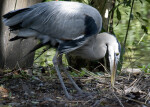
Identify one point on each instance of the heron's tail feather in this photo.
(13, 13)
(16, 38)
(14, 18)
(37, 47)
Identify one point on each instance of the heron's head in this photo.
(114, 48)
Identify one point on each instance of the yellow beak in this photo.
(113, 74)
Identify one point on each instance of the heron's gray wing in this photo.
(61, 20)
(90, 30)
(57, 20)
(51, 19)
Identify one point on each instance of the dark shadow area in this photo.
(1, 36)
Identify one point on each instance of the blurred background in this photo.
(137, 48)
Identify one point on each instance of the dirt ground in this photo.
(23, 88)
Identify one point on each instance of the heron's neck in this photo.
(100, 51)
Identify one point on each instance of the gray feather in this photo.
(57, 22)
(60, 21)
(27, 33)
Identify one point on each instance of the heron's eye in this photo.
(117, 54)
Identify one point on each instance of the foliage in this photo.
(145, 68)
(82, 73)
(46, 58)
(138, 35)
(137, 46)
(83, 1)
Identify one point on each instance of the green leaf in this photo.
(148, 1)
(145, 20)
(128, 3)
(118, 14)
(141, 1)
(145, 29)
(125, 1)
(138, 14)
(118, 1)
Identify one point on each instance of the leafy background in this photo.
(138, 42)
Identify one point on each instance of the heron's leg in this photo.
(74, 83)
(69, 76)
(55, 62)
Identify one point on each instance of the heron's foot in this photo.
(84, 95)
(69, 97)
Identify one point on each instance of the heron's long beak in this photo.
(113, 67)
(113, 72)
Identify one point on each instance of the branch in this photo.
(128, 25)
(125, 40)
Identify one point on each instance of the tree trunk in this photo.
(12, 53)
(103, 6)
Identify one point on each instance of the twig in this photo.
(18, 66)
(78, 101)
(44, 50)
(111, 17)
(73, 68)
(132, 83)
(134, 100)
(141, 39)
(118, 99)
(90, 100)
(8, 74)
(138, 79)
(48, 67)
(104, 68)
(96, 67)
(125, 40)
(128, 25)
(147, 97)
(130, 64)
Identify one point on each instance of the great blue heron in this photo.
(71, 27)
